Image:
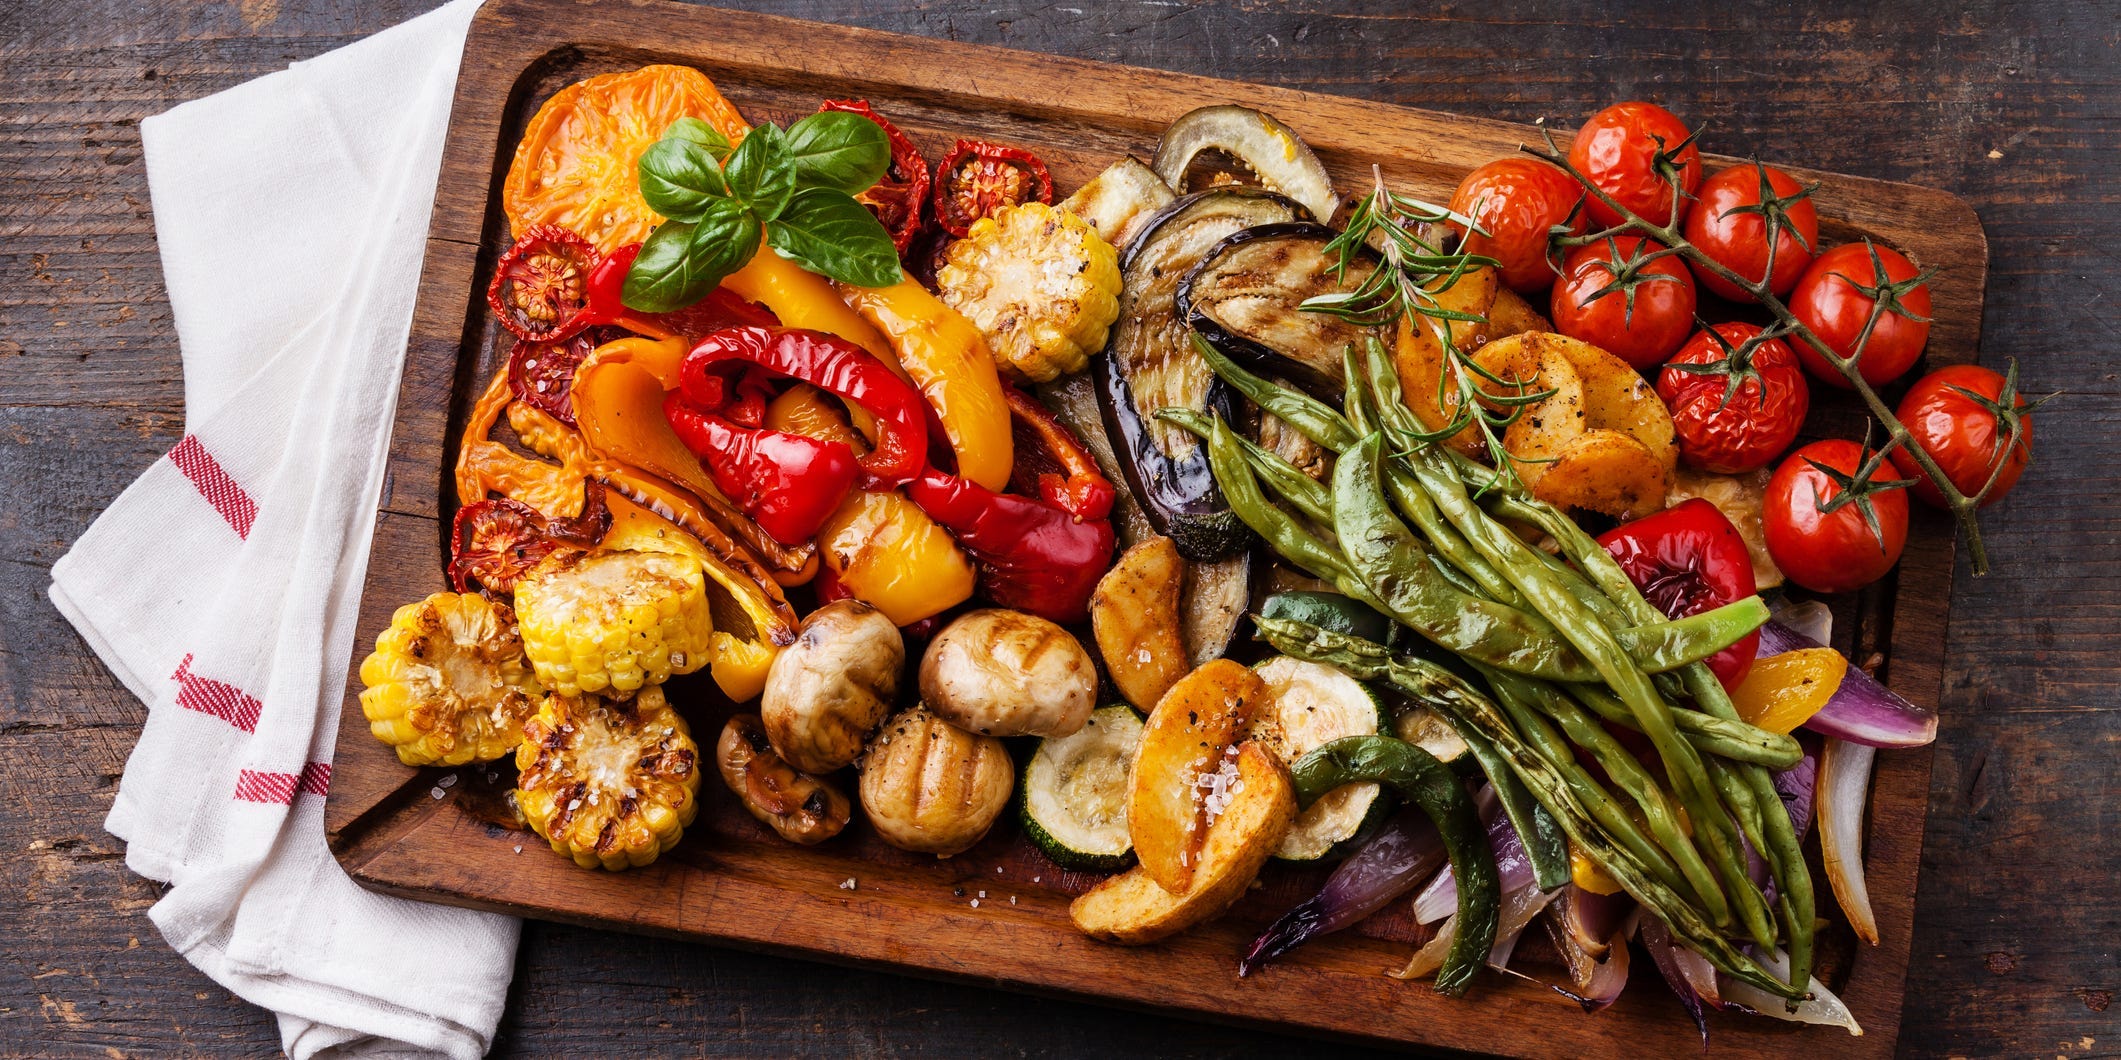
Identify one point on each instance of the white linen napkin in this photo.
(222, 586)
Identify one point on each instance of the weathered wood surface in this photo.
(2014, 107)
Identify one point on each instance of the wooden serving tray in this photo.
(997, 914)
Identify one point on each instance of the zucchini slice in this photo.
(1427, 729)
(1314, 705)
(1075, 792)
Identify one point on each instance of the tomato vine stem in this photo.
(1962, 506)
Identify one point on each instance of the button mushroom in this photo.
(1006, 673)
(829, 689)
(931, 787)
(802, 808)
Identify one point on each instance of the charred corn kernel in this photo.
(610, 784)
(1783, 691)
(447, 683)
(601, 620)
(1040, 283)
(738, 663)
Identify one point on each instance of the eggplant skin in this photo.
(1245, 294)
(1149, 363)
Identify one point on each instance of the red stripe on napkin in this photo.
(214, 484)
(281, 788)
(223, 701)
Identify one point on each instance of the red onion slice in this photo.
(1402, 855)
(1861, 710)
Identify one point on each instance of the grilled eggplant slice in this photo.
(1244, 298)
(1150, 364)
(1271, 150)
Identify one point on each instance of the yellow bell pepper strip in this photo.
(803, 299)
(1783, 691)
(878, 546)
(737, 663)
(948, 360)
(618, 403)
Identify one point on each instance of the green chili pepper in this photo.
(1420, 779)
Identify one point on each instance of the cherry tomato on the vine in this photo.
(1618, 294)
(1958, 415)
(1737, 398)
(1834, 299)
(1729, 223)
(1834, 551)
(1630, 151)
(1515, 202)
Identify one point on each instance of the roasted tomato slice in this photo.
(496, 541)
(540, 288)
(897, 199)
(976, 179)
(541, 374)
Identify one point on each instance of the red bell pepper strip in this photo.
(1033, 556)
(1052, 463)
(787, 483)
(1688, 559)
(829, 363)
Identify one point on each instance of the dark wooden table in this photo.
(2016, 106)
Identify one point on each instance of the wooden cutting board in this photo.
(998, 913)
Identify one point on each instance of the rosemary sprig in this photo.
(1884, 290)
(1414, 271)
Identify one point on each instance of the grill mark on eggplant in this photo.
(1243, 297)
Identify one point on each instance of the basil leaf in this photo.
(681, 262)
(825, 231)
(760, 172)
(837, 149)
(696, 131)
(679, 178)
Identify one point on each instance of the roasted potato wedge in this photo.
(1190, 736)
(1545, 428)
(1134, 617)
(1418, 350)
(1605, 471)
(1615, 396)
(1132, 909)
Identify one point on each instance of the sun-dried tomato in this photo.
(897, 199)
(496, 541)
(541, 285)
(541, 374)
(977, 178)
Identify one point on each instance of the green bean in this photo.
(1308, 495)
(1734, 740)
(1310, 417)
(1783, 852)
(1626, 771)
(1545, 848)
(1282, 532)
(1545, 779)
(1392, 562)
(1683, 768)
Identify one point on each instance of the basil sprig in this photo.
(793, 188)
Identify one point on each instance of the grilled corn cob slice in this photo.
(613, 621)
(608, 783)
(447, 683)
(1039, 283)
